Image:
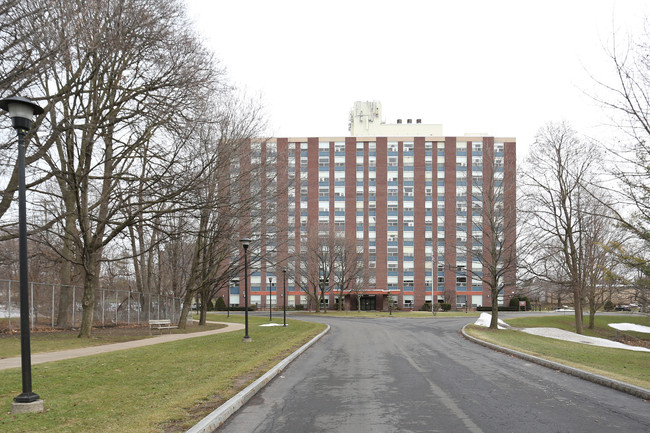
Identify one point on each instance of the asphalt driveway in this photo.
(420, 375)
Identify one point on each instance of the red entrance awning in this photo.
(372, 292)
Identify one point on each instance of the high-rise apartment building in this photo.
(420, 208)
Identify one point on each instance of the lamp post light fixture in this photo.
(235, 283)
(270, 299)
(284, 296)
(245, 243)
(21, 111)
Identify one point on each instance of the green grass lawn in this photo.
(49, 341)
(624, 365)
(567, 322)
(160, 388)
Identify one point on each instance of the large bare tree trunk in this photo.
(577, 302)
(494, 322)
(185, 311)
(91, 280)
(204, 310)
(64, 316)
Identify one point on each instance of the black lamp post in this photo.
(284, 296)
(245, 243)
(235, 283)
(270, 299)
(22, 111)
(324, 286)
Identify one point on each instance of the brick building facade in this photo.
(415, 205)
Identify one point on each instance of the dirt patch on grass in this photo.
(204, 407)
(194, 414)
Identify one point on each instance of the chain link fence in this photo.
(53, 305)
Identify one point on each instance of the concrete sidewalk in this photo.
(40, 358)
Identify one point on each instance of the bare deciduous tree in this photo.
(126, 79)
(314, 271)
(597, 263)
(557, 178)
(232, 180)
(348, 266)
(628, 99)
(494, 245)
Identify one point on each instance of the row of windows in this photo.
(407, 300)
(339, 146)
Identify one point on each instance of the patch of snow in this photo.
(564, 310)
(485, 318)
(272, 324)
(560, 334)
(630, 327)
(4, 314)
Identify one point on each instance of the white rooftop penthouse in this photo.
(366, 121)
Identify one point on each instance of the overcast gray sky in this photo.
(499, 67)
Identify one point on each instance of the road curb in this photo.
(213, 421)
(592, 377)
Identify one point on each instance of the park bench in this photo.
(161, 324)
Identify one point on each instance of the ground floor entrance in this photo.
(368, 303)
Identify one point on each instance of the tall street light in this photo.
(245, 243)
(22, 111)
(284, 296)
(324, 284)
(270, 299)
(235, 283)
